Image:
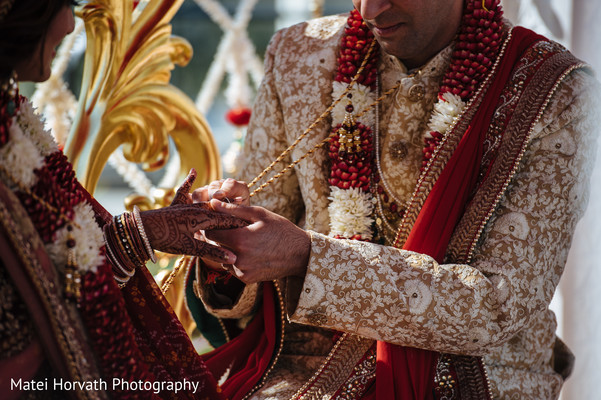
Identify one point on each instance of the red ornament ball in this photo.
(238, 116)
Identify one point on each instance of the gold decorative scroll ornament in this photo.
(126, 99)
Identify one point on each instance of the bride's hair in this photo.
(23, 28)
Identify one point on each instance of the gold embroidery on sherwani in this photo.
(501, 297)
(513, 141)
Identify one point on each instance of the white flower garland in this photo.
(351, 209)
(445, 113)
(25, 151)
(350, 213)
(362, 97)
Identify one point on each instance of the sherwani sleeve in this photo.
(264, 142)
(409, 299)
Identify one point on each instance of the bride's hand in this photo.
(172, 229)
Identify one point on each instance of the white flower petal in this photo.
(33, 126)
(444, 114)
(88, 240)
(362, 97)
(350, 213)
(20, 157)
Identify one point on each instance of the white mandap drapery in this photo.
(582, 280)
(576, 302)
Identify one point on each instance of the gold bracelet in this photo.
(140, 227)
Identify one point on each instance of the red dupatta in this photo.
(408, 373)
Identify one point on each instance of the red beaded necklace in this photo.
(351, 147)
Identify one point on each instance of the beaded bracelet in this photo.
(140, 226)
(109, 242)
(121, 250)
(126, 242)
(127, 245)
(125, 248)
(136, 238)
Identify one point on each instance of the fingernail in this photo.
(218, 194)
(216, 204)
(230, 258)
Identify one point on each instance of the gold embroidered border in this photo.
(361, 378)
(337, 369)
(514, 143)
(62, 320)
(280, 345)
(472, 377)
(444, 152)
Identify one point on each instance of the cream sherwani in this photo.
(497, 306)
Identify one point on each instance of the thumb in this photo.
(244, 212)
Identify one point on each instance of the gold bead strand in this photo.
(370, 51)
(317, 146)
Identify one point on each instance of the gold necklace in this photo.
(312, 126)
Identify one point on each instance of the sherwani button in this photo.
(317, 318)
(416, 93)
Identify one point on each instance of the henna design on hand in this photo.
(172, 229)
(182, 194)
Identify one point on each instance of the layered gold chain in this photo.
(314, 124)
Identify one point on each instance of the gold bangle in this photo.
(140, 227)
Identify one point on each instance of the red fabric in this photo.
(159, 335)
(407, 373)
(23, 366)
(248, 355)
(161, 338)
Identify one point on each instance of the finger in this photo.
(234, 189)
(219, 195)
(214, 189)
(247, 213)
(200, 218)
(182, 195)
(204, 205)
(201, 194)
(214, 253)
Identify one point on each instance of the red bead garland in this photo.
(353, 48)
(479, 40)
(351, 170)
(354, 169)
